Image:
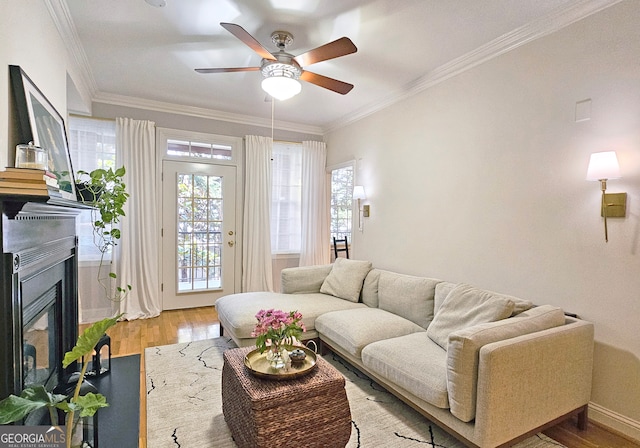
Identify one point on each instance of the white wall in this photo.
(29, 38)
(481, 179)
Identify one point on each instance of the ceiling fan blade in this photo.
(227, 70)
(248, 40)
(328, 83)
(335, 49)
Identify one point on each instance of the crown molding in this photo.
(64, 23)
(552, 22)
(200, 112)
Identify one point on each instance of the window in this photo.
(342, 202)
(286, 198)
(198, 150)
(92, 144)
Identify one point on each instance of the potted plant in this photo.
(274, 331)
(14, 408)
(105, 191)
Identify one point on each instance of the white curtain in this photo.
(256, 249)
(137, 252)
(316, 247)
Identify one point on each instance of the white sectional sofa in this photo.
(489, 368)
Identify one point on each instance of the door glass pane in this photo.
(199, 215)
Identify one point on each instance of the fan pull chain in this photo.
(273, 108)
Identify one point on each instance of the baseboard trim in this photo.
(615, 422)
(94, 315)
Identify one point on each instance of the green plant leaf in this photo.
(97, 174)
(88, 340)
(66, 406)
(39, 393)
(14, 408)
(90, 403)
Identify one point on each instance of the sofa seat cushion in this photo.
(466, 306)
(237, 311)
(346, 278)
(414, 362)
(354, 329)
(463, 352)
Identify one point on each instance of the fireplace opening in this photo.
(41, 341)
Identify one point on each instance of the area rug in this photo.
(184, 405)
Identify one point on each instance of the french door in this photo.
(199, 233)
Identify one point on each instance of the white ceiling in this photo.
(132, 52)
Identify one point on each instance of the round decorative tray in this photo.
(258, 365)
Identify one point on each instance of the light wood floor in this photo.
(171, 327)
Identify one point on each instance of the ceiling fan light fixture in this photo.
(281, 80)
(281, 87)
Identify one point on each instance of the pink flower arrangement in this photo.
(276, 326)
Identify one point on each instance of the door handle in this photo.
(231, 243)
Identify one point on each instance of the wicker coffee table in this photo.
(311, 411)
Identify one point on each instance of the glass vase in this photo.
(277, 356)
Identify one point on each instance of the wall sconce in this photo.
(602, 167)
(359, 195)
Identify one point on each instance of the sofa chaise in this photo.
(491, 369)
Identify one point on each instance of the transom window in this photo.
(199, 150)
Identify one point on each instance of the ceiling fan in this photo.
(281, 70)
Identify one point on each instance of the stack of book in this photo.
(29, 182)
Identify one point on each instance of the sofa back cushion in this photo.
(442, 291)
(304, 279)
(464, 307)
(463, 353)
(407, 296)
(444, 288)
(370, 288)
(346, 279)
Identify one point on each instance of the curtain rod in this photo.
(89, 117)
(292, 143)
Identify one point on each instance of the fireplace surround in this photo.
(38, 295)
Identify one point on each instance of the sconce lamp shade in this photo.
(358, 192)
(603, 165)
